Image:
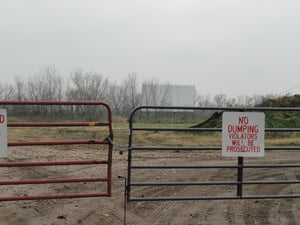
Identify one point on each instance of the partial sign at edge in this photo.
(3, 133)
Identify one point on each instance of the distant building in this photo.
(168, 95)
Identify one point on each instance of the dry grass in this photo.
(121, 133)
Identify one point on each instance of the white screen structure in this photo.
(168, 95)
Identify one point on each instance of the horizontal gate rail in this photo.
(216, 166)
(106, 142)
(60, 163)
(170, 148)
(164, 188)
(56, 124)
(207, 129)
(67, 142)
(55, 196)
(51, 181)
(212, 183)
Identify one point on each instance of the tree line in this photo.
(123, 96)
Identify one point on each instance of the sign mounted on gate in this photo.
(3, 133)
(243, 134)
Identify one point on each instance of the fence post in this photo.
(239, 191)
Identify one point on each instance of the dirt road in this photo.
(110, 210)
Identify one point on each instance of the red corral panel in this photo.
(105, 144)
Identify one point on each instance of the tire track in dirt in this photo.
(170, 210)
(166, 211)
(286, 211)
(159, 213)
(270, 211)
(257, 211)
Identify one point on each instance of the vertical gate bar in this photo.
(110, 154)
(109, 168)
(129, 167)
(239, 191)
(129, 157)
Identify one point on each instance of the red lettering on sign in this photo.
(2, 119)
(243, 120)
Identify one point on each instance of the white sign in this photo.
(3, 133)
(243, 134)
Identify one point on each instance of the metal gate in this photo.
(104, 142)
(232, 178)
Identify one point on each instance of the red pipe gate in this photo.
(105, 143)
(150, 178)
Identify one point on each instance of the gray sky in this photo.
(231, 47)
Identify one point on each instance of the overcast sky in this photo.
(233, 47)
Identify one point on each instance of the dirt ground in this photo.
(110, 210)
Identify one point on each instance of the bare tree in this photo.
(231, 102)
(257, 99)
(53, 84)
(87, 86)
(203, 100)
(20, 89)
(220, 100)
(153, 93)
(6, 91)
(115, 98)
(130, 95)
(45, 85)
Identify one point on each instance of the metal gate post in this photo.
(129, 164)
(239, 190)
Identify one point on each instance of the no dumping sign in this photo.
(243, 134)
(3, 133)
